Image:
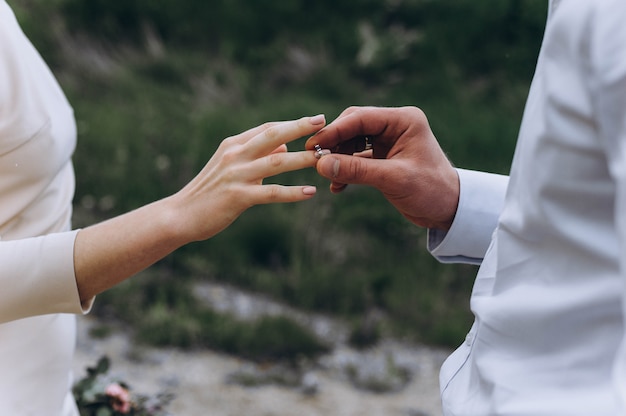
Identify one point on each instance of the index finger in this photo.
(349, 147)
(347, 133)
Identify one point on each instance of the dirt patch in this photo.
(199, 380)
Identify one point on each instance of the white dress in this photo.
(39, 294)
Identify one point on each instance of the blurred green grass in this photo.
(157, 85)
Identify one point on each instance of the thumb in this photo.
(348, 169)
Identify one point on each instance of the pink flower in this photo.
(120, 398)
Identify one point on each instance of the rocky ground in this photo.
(391, 379)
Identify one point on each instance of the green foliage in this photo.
(148, 121)
(163, 312)
(364, 334)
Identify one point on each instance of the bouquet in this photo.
(99, 394)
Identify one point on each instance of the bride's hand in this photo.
(232, 180)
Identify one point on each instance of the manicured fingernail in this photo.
(309, 190)
(336, 168)
(318, 119)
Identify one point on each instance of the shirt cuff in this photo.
(481, 200)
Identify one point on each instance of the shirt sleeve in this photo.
(37, 277)
(480, 202)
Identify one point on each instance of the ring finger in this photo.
(276, 163)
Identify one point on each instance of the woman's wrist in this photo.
(171, 222)
(114, 250)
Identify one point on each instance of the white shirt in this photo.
(549, 295)
(37, 138)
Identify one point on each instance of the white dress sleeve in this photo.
(37, 275)
(480, 202)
